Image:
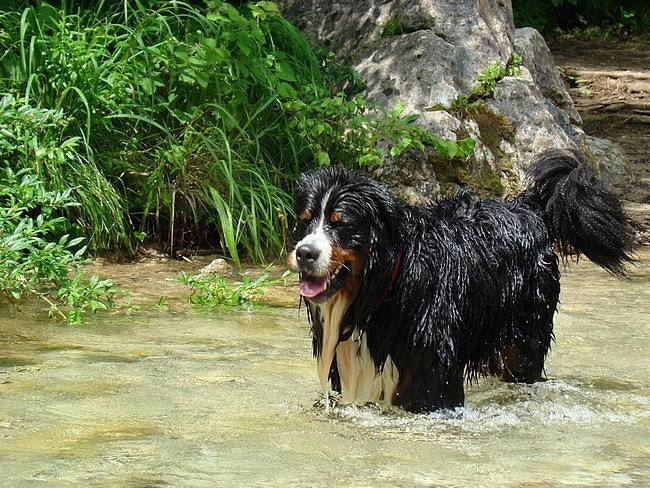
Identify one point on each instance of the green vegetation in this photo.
(487, 81)
(394, 27)
(37, 258)
(182, 124)
(341, 130)
(591, 18)
(216, 291)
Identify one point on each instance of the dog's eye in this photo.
(306, 215)
(335, 217)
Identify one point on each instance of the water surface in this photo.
(190, 398)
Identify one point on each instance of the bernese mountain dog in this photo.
(406, 303)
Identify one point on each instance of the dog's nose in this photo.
(307, 254)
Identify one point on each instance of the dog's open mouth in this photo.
(315, 287)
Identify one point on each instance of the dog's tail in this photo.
(581, 213)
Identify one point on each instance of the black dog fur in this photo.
(446, 292)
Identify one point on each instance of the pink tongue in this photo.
(312, 286)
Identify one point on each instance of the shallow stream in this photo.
(192, 398)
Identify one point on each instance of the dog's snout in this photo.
(307, 254)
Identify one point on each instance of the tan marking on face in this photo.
(355, 262)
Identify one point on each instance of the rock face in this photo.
(428, 53)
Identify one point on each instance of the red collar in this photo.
(393, 276)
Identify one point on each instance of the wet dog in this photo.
(408, 302)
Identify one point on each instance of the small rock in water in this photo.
(220, 267)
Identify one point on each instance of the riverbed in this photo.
(171, 395)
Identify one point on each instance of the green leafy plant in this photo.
(404, 134)
(487, 81)
(175, 110)
(84, 296)
(36, 259)
(345, 130)
(216, 291)
(34, 138)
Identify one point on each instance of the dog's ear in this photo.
(389, 217)
(385, 238)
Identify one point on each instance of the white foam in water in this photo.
(553, 402)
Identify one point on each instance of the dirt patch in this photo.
(609, 82)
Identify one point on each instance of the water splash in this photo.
(552, 403)
(326, 399)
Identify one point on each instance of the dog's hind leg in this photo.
(524, 347)
(522, 362)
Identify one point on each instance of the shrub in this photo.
(36, 258)
(33, 138)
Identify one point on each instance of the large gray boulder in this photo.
(428, 53)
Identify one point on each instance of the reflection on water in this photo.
(228, 398)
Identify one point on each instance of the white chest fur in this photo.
(360, 381)
(359, 378)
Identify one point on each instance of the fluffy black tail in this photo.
(581, 214)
